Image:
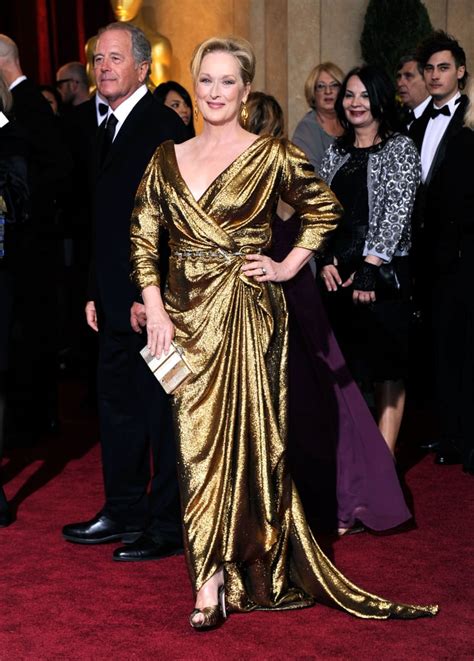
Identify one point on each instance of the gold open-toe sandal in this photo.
(213, 616)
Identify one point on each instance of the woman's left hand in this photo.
(264, 269)
(365, 279)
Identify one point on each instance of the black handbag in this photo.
(388, 282)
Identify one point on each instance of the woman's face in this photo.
(178, 104)
(326, 90)
(356, 104)
(220, 89)
(51, 99)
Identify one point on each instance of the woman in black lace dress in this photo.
(374, 171)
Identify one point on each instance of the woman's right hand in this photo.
(159, 328)
(331, 277)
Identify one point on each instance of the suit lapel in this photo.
(99, 141)
(92, 113)
(418, 128)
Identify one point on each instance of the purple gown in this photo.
(339, 461)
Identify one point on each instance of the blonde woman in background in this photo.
(320, 126)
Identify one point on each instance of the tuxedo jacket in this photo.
(421, 214)
(117, 179)
(418, 129)
(80, 133)
(450, 207)
(49, 162)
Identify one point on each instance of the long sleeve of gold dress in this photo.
(240, 508)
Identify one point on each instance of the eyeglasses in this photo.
(65, 80)
(321, 87)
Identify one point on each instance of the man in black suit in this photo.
(49, 165)
(80, 124)
(444, 65)
(133, 409)
(411, 89)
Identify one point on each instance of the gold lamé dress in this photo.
(240, 508)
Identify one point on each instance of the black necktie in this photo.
(436, 112)
(109, 133)
(103, 109)
(410, 117)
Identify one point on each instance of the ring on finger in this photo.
(264, 271)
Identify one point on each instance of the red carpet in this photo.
(64, 601)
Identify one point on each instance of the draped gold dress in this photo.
(240, 508)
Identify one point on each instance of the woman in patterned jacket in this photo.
(374, 171)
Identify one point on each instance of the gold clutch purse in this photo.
(171, 370)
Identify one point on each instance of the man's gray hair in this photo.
(410, 57)
(141, 47)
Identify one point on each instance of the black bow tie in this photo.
(103, 109)
(436, 112)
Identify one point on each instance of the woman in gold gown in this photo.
(244, 528)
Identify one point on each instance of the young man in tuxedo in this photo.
(444, 69)
(135, 422)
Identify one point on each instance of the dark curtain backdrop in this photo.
(50, 33)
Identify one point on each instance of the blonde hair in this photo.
(265, 116)
(6, 99)
(469, 115)
(327, 67)
(240, 48)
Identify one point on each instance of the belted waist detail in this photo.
(218, 252)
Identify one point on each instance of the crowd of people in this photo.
(213, 241)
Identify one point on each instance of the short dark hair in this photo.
(409, 57)
(383, 105)
(438, 41)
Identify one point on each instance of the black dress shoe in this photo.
(147, 548)
(430, 446)
(6, 518)
(447, 458)
(100, 530)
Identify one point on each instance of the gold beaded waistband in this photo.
(219, 252)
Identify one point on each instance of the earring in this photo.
(244, 114)
(196, 110)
